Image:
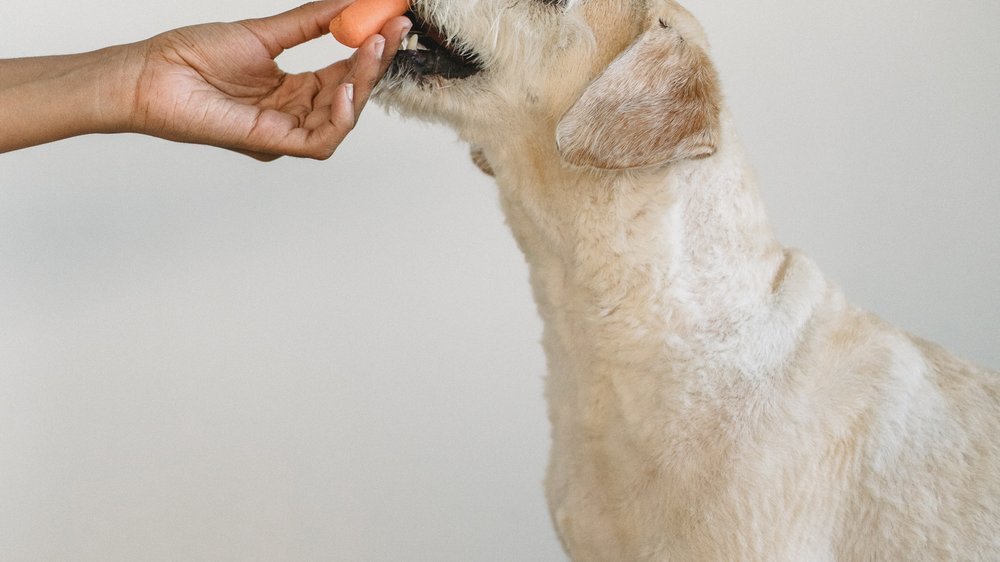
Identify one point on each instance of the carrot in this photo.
(365, 18)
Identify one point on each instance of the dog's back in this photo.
(913, 434)
(923, 453)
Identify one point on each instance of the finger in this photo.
(331, 79)
(334, 74)
(334, 77)
(368, 77)
(321, 112)
(296, 26)
(394, 31)
(367, 71)
(342, 120)
(366, 67)
(320, 143)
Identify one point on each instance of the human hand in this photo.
(218, 84)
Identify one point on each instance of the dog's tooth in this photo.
(412, 42)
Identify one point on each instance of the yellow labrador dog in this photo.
(712, 396)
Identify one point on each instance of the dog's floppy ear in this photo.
(658, 102)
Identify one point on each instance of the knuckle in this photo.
(344, 125)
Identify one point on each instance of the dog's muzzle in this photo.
(429, 52)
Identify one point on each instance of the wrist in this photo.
(45, 99)
(113, 87)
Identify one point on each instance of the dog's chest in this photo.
(648, 463)
(631, 455)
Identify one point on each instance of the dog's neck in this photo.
(648, 266)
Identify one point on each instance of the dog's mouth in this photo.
(428, 52)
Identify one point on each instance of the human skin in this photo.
(215, 84)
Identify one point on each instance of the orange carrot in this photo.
(365, 18)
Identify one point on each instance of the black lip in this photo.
(440, 59)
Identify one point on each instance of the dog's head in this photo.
(609, 84)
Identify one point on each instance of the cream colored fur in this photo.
(712, 396)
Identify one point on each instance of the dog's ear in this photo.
(658, 102)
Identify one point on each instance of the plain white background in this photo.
(207, 358)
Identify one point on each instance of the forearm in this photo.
(45, 99)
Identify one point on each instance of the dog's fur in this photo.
(712, 396)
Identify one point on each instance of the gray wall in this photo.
(207, 358)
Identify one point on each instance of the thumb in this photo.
(296, 26)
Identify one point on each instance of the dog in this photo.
(712, 396)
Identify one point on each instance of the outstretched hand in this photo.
(218, 84)
(215, 84)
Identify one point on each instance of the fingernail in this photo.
(379, 46)
(350, 92)
(406, 29)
